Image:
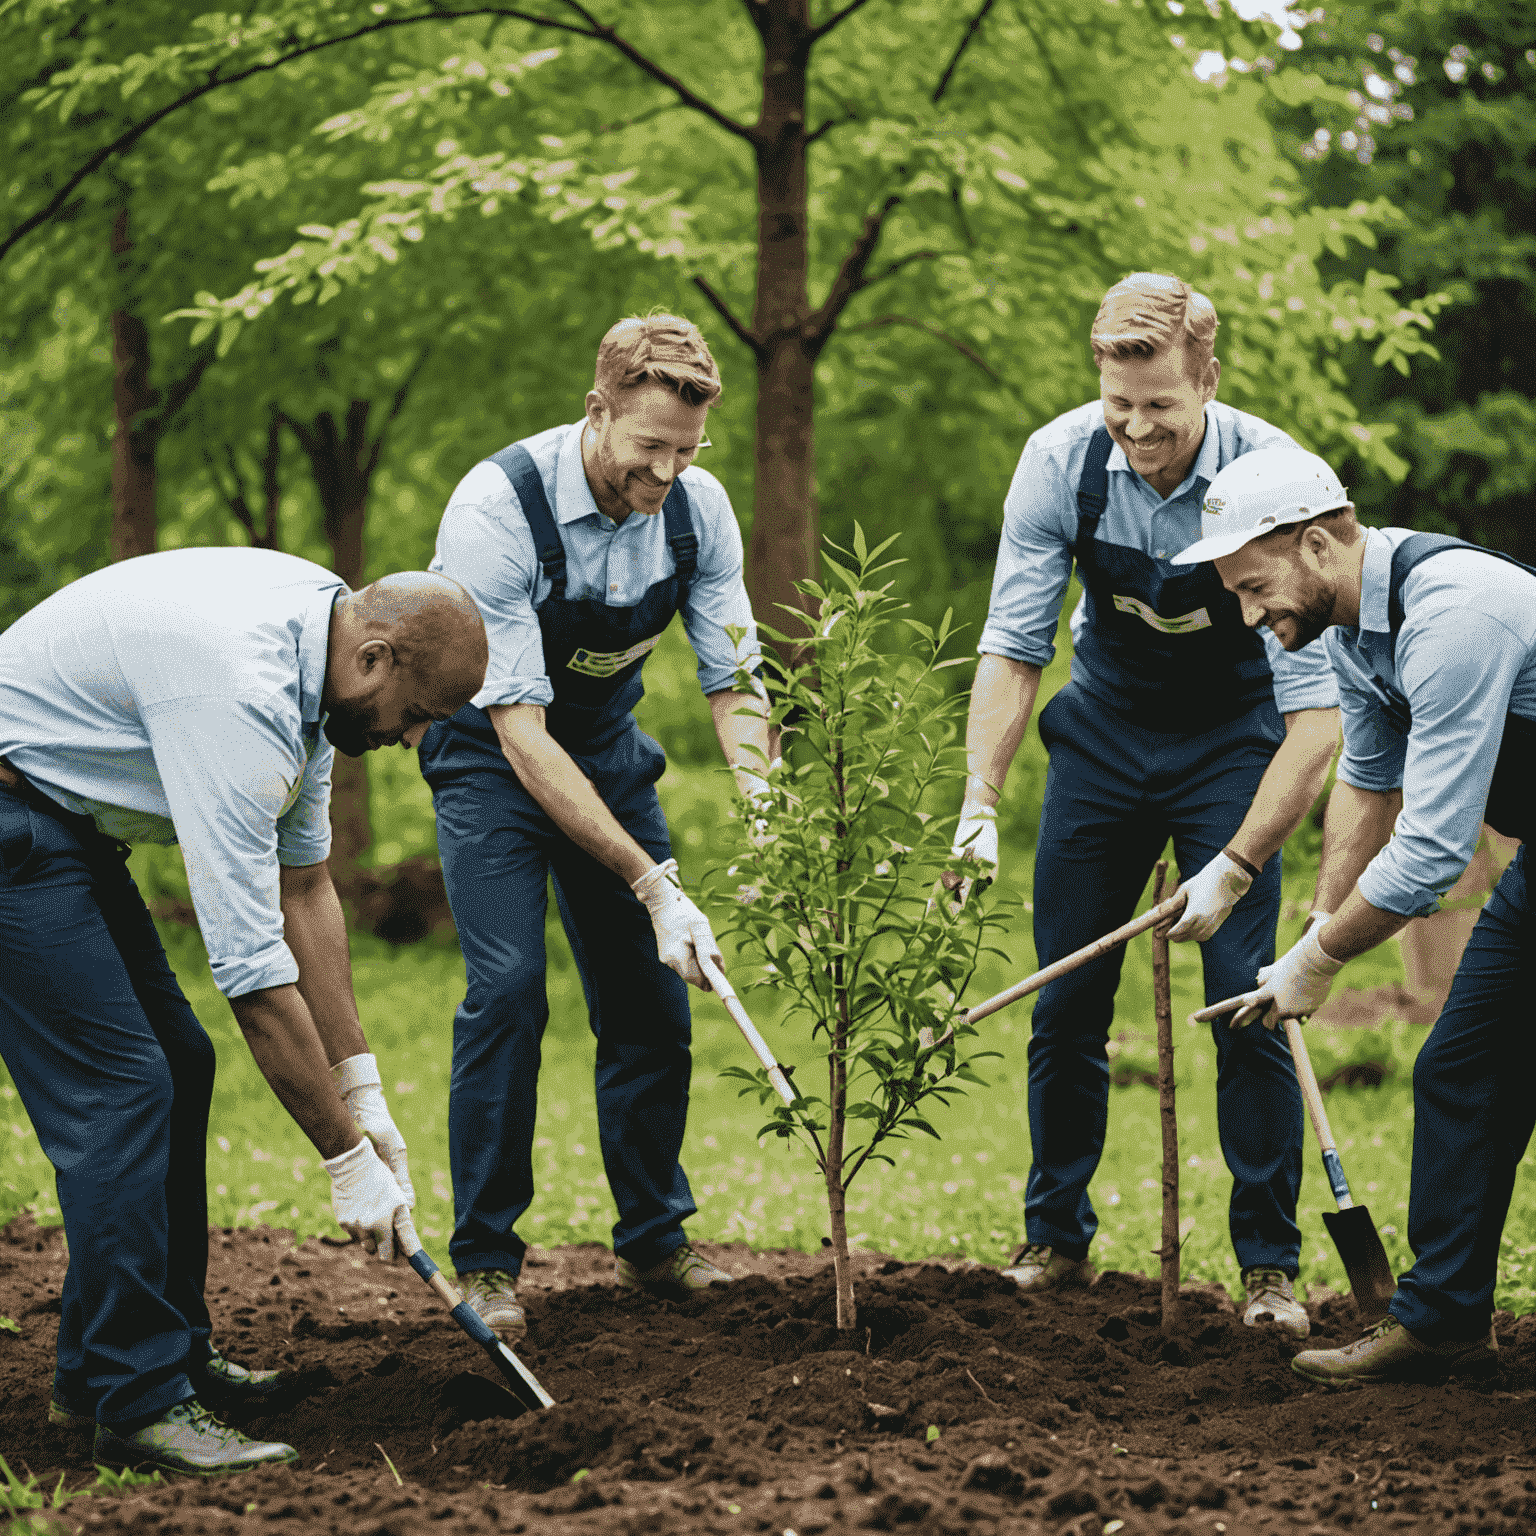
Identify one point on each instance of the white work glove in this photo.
(759, 800)
(975, 844)
(1296, 985)
(366, 1200)
(682, 931)
(362, 1090)
(1212, 895)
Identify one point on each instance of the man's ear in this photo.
(373, 656)
(1211, 380)
(597, 408)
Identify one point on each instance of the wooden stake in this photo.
(1163, 1005)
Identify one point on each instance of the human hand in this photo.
(365, 1199)
(682, 930)
(975, 846)
(1211, 896)
(1296, 985)
(357, 1081)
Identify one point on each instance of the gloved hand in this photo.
(362, 1090)
(1296, 985)
(365, 1198)
(975, 845)
(759, 803)
(1212, 895)
(682, 931)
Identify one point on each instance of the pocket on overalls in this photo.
(16, 837)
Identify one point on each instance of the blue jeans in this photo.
(1115, 793)
(1473, 1113)
(499, 849)
(116, 1074)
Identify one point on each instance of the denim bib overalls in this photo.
(499, 849)
(1473, 1110)
(1164, 731)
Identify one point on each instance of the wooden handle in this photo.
(1095, 951)
(727, 995)
(1310, 1092)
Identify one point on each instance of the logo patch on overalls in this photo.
(1184, 624)
(1213, 505)
(610, 663)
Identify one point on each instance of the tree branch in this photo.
(745, 336)
(932, 330)
(395, 407)
(235, 500)
(850, 276)
(959, 53)
(1085, 139)
(178, 394)
(900, 262)
(836, 19)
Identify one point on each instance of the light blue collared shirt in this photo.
(176, 698)
(1034, 560)
(485, 544)
(1465, 658)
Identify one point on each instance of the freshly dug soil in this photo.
(957, 1405)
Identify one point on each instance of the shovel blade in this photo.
(1365, 1260)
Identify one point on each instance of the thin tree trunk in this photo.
(133, 451)
(842, 1270)
(1163, 1005)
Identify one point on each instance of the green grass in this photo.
(963, 1194)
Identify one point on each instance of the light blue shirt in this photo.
(1034, 560)
(1465, 658)
(485, 544)
(176, 698)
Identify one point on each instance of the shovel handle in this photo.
(1095, 951)
(1313, 1096)
(727, 995)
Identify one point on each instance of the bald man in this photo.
(196, 697)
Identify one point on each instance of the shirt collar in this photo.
(1375, 579)
(573, 496)
(1205, 468)
(314, 651)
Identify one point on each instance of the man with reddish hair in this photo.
(1171, 726)
(579, 544)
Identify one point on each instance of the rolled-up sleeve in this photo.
(304, 829)
(1457, 669)
(484, 544)
(228, 771)
(1303, 679)
(1034, 564)
(717, 597)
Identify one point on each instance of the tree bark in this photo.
(1163, 1006)
(133, 450)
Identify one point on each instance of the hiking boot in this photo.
(1386, 1351)
(492, 1296)
(1036, 1267)
(223, 1384)
(188, 1439)
(1272, 1303)
(681, 1274)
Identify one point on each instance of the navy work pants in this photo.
(499, 849)
(116, 1074)
(1115, 793)
(1473, 1113)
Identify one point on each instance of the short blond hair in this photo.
(1148, 312)
(657, 349)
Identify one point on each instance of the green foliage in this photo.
(9, 1325)
(836, 907)
(19, 1499)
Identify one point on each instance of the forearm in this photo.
(740, 732)
(1356, 827)
(1002, 700)
(316, 932)
(281, 1033)
(1290, 786)
(549, 773)
(1358, 926)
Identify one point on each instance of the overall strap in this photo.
(681, 539)
(1414, 551)
(516, 463)
(1093, 485)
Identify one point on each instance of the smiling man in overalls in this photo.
(1170, 727)
(579, 544)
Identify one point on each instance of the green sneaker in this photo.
(492, 1296)
(62, 1416)
(223, 1384)
(188, 1439)
(1036, 1267)
(683, 1273)
(1388, 1352)
(1272, 1302)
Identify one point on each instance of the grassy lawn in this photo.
(963, 1194)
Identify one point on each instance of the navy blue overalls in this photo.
(499, 849)
(1473, 1109)
(1165, 730)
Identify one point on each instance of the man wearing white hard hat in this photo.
(1170, 727)
(1433, 642)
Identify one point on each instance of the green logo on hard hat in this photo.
(1213, 505)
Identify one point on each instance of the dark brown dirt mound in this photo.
(956, 1405)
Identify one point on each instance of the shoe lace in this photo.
(1261, 1280)
(1379, 1330)
(485, 1282)
(194, 1414)
(1033, 1253)
(687, 1257)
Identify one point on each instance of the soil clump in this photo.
(958, 1405)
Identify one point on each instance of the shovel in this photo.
(524, 1386)
(727, 995)
(1351, 1228)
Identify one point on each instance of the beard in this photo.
(1309, 617)
(348, 726)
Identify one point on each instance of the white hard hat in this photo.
(1256, 494)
